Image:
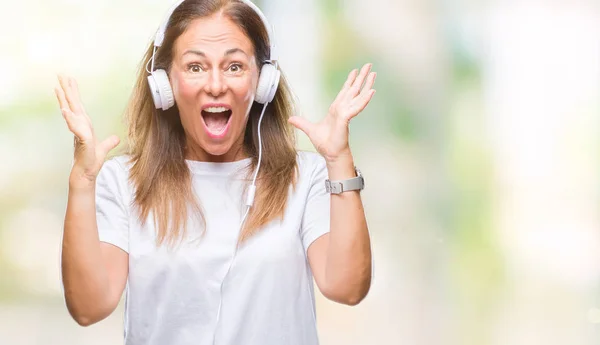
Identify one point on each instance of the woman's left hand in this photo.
(330, 135)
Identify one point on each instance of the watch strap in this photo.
(337, 187)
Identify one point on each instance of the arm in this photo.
(341, 260)
(93, 273)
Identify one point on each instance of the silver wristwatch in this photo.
(337, 187)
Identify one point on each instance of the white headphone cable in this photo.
(248, 204)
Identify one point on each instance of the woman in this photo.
(175, 224)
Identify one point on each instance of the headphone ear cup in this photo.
(267, 84)
(274, 86)
(160, 87)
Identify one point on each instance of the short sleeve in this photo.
(316, 217)
(112, 215)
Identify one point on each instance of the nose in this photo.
(216, 84)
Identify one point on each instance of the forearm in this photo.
(83, 272)
(348, 271)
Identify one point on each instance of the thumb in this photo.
(302, 124)
(108, 144)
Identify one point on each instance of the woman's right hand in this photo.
(89, 154)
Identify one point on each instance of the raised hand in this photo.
(89, 153)
(330, 135)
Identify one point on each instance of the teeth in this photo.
(215, 109)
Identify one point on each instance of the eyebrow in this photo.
(228, 52)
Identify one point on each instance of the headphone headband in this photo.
(160, 34)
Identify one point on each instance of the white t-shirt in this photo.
(173, 297)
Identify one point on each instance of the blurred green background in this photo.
(480, 152)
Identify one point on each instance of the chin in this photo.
(217, 150)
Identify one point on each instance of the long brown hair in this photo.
(162, 179)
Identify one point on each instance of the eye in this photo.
(235, 68)
(194, 68)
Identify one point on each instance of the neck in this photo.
(196, 153)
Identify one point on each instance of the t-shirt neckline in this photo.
(217, 168)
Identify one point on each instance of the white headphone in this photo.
(162, 94)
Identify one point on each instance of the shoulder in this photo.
(115, 171)
(118, 164)
(309, 160)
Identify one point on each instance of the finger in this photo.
(66, 84)
(358, 82)
(65, 109)
(76, 97)
(368, 84)
(346, 85)
(65, 90)
(302, 124)
(73, 122)
(361, 102)
(108, 144)
(78, 125)
(60, 96)
(350, 79)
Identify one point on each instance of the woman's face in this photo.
(214, 77)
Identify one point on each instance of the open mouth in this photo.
(216, 120)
